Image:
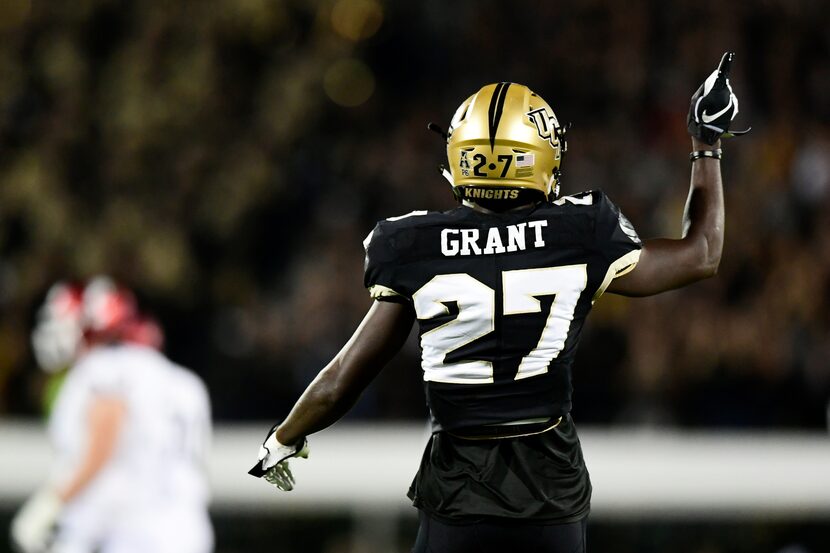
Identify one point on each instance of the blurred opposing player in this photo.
(501, 287)
(130, 432)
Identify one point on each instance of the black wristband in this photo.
(714, 154)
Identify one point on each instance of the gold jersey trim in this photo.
(505, 436)
(618, 268)
(380, 291)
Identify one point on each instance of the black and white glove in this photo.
(273, 460)
(714, 105)
(33, 527)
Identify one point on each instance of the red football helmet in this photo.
(108, 309)
(74, 316)
(144, 331)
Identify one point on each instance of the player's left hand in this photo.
(273, 460)
(33, 527)
(714, 105)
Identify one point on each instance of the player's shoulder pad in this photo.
(596, 200)
(106, 369)
(190, 385)
(386, 246)
(408, 220)
(186, 375)
(377, 244)
(385, 229)
(100, 357)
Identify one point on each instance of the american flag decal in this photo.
(525, 160)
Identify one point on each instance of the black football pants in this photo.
(435, 536)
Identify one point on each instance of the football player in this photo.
(129, 429)
(500, 288)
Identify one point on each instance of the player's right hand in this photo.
(714, 105)
(32, 528)
(273, 460)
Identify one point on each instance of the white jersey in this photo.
(155, 478)
(187, 462)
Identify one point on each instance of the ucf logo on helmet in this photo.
(547, 125)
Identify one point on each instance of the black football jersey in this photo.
(500, 300)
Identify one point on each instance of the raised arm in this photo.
(339, 385)
(667, 264)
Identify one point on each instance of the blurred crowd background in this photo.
(227, 157)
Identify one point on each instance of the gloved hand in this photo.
(714, 105)
(33, 527)
(273, 460)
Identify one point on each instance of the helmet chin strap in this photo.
(555, 180)
(437, 129)
(553, 188)
(446, 174)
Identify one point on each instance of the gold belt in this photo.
(508, 435)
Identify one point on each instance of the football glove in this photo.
(714, 105)
(33, 527)
(273, 460)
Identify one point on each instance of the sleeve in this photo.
(617, 240)
(380, 267)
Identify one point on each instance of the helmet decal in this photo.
(496, 110)
(547, 125)
(502, 137)
(524, 165)
(464, 164)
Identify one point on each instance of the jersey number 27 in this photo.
(477, 313)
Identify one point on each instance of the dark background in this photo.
(227, 157)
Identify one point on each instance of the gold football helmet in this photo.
(504, 143)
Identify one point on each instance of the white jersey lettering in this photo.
(469, 237)
(468, 241)
(449, 246)
(516, 237)
(494, 244)
(537, 226)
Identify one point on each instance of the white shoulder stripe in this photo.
(587, 199)
(368, 240)
(410, 214)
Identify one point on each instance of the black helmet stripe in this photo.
(496, 109)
